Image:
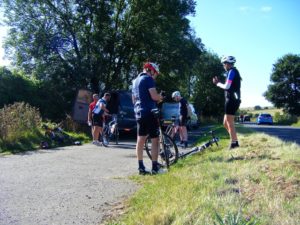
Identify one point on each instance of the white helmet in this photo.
(176, 94)
(152, 66)
(228, 59)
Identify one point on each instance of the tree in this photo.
(75, 44)
(284, 92)
(208, 99)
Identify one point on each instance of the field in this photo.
(269, 110)
(259, 183)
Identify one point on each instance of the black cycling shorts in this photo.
(182, 121)
(148, 125)
(97, 120)
(231, 106)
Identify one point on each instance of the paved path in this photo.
(70, 185)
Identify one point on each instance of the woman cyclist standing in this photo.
(232, 88)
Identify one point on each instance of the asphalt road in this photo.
(70, 185)
(78, 184)
(285, 133)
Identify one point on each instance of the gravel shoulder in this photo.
(69, 185)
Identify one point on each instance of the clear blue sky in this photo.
(256, 32)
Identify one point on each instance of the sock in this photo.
(154, 165)
(141, 165)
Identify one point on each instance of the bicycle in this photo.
(173, 129)
(57, 135)
(111, 130)
(209, 143)
(168, 151)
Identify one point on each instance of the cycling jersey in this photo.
(183, 107)
(232, 85)
(97, 109)
(232, 88)
(140, 90)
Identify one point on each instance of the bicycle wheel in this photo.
(168, 151)
(105, 136)
(116, 134)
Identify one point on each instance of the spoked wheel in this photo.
(105, 137)
(116, 134)
(168, 151)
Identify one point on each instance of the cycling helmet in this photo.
(152, 66)
(228, 59)
(176, 94)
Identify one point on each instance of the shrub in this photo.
(285, 119)
(17, 121)
(257, 107)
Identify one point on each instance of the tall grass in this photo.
(19, 126)
(258, 183)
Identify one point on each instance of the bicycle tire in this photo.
(116, 134)
(105, 136)
(169, 149)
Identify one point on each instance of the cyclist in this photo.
(98, 116)
(91, 121)
(232, 88)
(183, 114)
(145, 97)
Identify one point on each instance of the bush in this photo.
(257, 107)
(285, 119)
(18, 121)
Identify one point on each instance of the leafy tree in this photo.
(284, 92)
(75, 44)
(208, 99)
(15, 87)
(257, 107)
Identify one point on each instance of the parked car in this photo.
(120, 104)
(246, 119)
(264, 118)
(170, 110)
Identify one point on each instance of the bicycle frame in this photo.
(111, 129)
(168, 152)
(203, 146)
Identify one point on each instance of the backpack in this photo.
(189, 110)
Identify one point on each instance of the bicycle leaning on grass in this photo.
(209, 143)
(167, 151)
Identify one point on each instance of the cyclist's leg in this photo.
(231, 107)
(141, 139)
(183, 130)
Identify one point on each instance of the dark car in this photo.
(170, 110)
(246, 119)
(120, 104)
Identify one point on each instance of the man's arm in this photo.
(90, 115)
(154, 95)
(103, 107)
(133, 99)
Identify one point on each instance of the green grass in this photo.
(297, 124)
(259, 183)
(31, 141)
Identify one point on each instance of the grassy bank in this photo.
(32, 140)
(259, 183)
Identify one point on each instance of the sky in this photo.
(256, 32)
